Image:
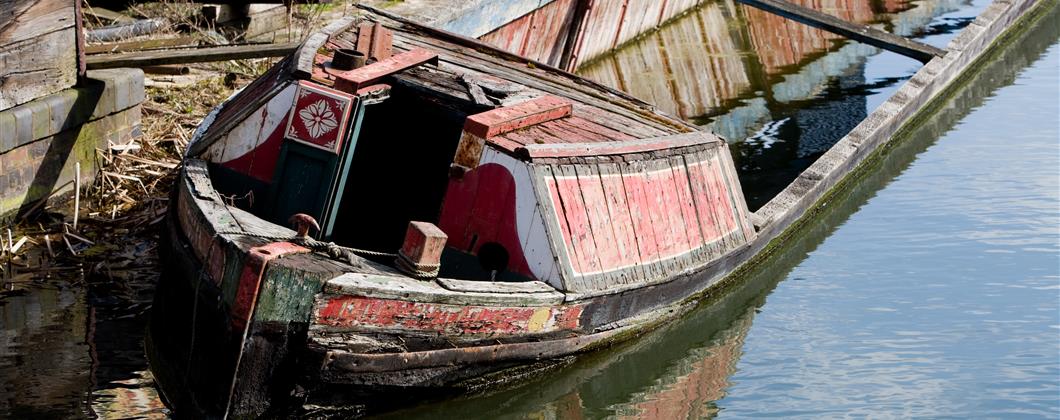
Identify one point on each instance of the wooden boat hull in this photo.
(456, 343)
(248, 323)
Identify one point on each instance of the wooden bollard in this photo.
(421, 253)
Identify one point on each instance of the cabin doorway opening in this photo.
(400, 169)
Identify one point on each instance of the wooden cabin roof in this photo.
(600, 114)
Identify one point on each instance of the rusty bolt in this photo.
(302, 222)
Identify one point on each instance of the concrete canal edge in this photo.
(41, 141)
(924, 94)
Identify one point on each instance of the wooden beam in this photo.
(858, 32)
(147, 44)
(352, 80)
(197, 55)
(524, 114)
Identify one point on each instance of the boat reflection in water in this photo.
(684, 369)
(71, 344)
(781, 91)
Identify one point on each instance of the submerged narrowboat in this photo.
(396, 208)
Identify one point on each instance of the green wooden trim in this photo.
(331, 207)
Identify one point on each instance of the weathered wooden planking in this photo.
(540, 35)
(742, 214)
(483, 58)
(700, 183)
(148, 44)
(352, 80)
(618, 211)
(685, 203)
(496, 287)
(667, 207)
(107, 16)
(305, 57)
(643, 222)
(640, 222)
(660, 144)
(634, 119)
(197, 55)
(568, 197)
(22, 20)
(512, 36)
(555, 228)
(510, 118)
(607, 248)
(36, 67)
(551, 27)
(397, 286)
(459, 321)
(599, 29)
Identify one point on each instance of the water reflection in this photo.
(689, 369)
(782, 91)
(71, 338)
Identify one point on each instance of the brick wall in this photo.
(41, 141)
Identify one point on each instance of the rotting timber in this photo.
(561, 216)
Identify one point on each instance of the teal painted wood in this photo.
(331, 209)
(304, 176)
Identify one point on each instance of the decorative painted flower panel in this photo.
(319, 116)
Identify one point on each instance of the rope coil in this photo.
(423, 271)
(347, 254)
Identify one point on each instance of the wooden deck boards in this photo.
(601, 114)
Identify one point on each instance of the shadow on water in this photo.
(683, 369)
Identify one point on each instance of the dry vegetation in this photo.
(113, 239)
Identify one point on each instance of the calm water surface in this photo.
(931, 288)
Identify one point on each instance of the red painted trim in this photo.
(618, 147)
(510, 118)
(250, 279)
(352, 80)
(347, 311)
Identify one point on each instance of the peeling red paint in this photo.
(250, 279)
(352, 80)
(357, 311)
(510, 118)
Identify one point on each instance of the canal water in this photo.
(930, 288)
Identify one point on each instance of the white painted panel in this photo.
(255, 129)
(529, 224)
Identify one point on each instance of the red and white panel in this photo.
(319, 116)
(253, 145)
(495, 202)
(304, 112)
